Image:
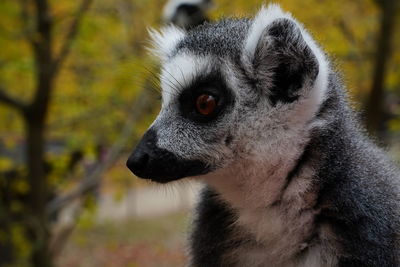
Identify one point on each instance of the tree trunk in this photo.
(39, 230)
(35, 132)
(375, 109)
(47, 65)
(35, 118)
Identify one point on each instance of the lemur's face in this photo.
(231, 91)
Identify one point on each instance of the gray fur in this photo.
(291, 177)
(221, 39)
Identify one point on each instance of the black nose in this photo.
(137, 162)
(151, 162)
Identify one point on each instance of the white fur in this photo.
(268, 15)
(164, 41)
(321, 82)
(263, 18)
(252, 184)
(179, 72)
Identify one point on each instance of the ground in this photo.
(154, 242)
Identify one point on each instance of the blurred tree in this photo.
(375, 106)
(64, 127)
(47, 65)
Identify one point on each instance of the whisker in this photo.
(180, 85)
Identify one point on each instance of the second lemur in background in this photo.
(186, 14)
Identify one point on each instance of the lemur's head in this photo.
(232, 90)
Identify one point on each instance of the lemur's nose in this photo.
(140, 159)
(152, 162)
(137, 162)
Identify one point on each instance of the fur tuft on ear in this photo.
(263, 18)
(278, 49)
(164, 41)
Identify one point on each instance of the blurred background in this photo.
(77, 91)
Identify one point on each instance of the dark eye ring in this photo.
(206, 104)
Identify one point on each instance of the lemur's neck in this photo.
(273, 200)
(263, 181)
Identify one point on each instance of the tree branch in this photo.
(71, 34)
(10, 101)
(348, 34)
(25, 18)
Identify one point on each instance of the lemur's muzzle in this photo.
(151, 162)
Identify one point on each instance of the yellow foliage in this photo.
(5, 164)
(20, 186)
(22, 246)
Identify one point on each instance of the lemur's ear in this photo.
(163, 42)
(281, 57)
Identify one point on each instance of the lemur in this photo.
(254, 109)
(186, 14)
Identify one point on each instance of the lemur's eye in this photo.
(206, 104)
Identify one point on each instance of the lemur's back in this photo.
(254, 109)
(360, 196)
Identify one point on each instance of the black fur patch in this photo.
(212, 234)
(228, 140)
